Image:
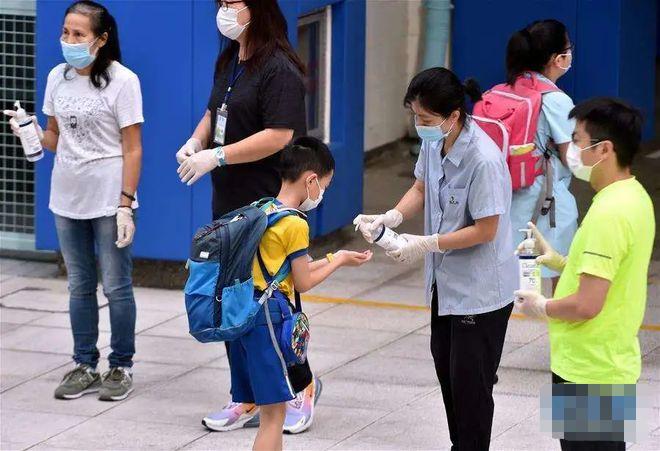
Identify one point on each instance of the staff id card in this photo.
(220, 125)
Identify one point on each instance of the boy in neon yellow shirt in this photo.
(599, 303)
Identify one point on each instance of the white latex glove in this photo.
(547, 255)
(125, 227)
(531, 303)
(415, 248)
(191, 147)
(14, 124)
(368, 223)
(197, 165)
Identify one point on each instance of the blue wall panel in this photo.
(615, 44)
(205, 47)
(173, 46)
(163, 61)
(638, 54)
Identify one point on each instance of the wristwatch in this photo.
(220, 155)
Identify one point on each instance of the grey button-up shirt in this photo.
(470, 183)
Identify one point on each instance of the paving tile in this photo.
(176, 327)
(145, 319)
(338, 423)
(45, 300)
(413, 346)
(332, 288)
(20, 366)
(534, 355)
(183, 400)
(37, 394)
(521, 382)
(18, 427)
(389, 370)
(103, 433)
(525, 330)
(313, 307)
(7, 327)
(339, 392)
(45, 339)
(358, 317)
(419, 425)
(651, 366)
(19, 316)
(526, 435)
(179, 351)
(243, 439)
(400, 294)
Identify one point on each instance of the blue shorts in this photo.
(258, 371)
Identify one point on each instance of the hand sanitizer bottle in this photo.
(387, 238)
(28, 134)
(529, 270)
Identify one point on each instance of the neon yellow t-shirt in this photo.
(287, 238)
(613, 242)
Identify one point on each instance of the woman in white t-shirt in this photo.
(94, 110)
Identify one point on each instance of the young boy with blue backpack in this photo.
(245, 269)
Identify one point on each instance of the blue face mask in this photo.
(78, 55)
(433, 133)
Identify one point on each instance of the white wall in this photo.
(392, 35)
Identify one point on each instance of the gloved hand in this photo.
(415, 248)
(125, 227)
(197, 165)
(531, 303)
(547, 255)
(13, 123)
(368, 223)
(191, 147)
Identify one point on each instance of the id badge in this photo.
(220, 126)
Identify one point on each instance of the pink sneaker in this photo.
(233, 416)
(300, 410)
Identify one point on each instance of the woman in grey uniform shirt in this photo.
(464, 187)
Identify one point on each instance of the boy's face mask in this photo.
(309, 203)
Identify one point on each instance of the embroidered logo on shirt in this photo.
(452, 200)
(469, 320)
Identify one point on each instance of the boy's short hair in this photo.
(607, 118)
(305, 153)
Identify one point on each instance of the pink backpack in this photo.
(509, 115)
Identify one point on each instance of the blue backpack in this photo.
(220, 294)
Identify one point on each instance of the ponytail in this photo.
(531, 48)
(472, 90)
(102, 22)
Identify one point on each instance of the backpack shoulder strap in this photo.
(276, 213)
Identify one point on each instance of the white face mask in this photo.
(227, 21)
(565, 68)
(575, 164)
(309, 204)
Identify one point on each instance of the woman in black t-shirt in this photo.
(257, 105)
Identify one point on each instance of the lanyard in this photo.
(234, 77)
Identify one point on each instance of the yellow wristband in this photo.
(330, 257)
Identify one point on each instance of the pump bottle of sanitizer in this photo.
(28, 134)
(529, 270)
(387, 238)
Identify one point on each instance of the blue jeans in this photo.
(80, 241)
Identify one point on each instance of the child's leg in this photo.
(269, 436)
